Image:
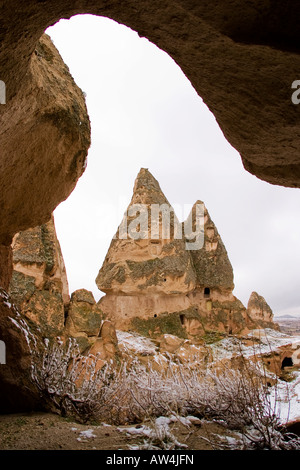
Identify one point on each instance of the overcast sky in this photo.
(145, 113)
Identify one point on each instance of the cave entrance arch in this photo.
(130, 73)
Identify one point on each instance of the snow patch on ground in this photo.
(88, 434)
(160, 431)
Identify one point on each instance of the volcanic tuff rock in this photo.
(241, 57)
(107, 343)
(39, 307)
(148, 263)
(212, 266)
(155, 285)
(45, 136)
(260, 312)
(39, 288)
(6, 266)
(145, 276)
(84, 319)
(39, 285)
(214, 307)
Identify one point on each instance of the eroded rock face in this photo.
(241, 58)
(143, 273)
(39, 288)
(6, 266)
(84, 319)
(38, 313)
(211, 262)
(157, 286)
(214, 307)
(259, 311)
(45, 136)
(139, 259)
(39, 285)
(107, 344)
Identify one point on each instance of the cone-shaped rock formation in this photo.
(145, 257)
(212, 266)
(260, 312)
(158, 279)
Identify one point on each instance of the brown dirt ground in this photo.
(46, 431)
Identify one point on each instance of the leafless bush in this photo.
(132, 392)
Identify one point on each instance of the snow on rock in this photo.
(135, 342)
(137, 430)
(159, 431)
(285, 399)
(269, 340)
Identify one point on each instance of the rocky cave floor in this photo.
(47, 431)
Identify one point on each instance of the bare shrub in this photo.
(132, 393)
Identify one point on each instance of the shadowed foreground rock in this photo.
(84, 319)
(17, 391)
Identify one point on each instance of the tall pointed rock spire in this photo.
(145, 255)
(212, 265)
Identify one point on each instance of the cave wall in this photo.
(241, 56)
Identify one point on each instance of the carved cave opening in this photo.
(206, 292)
(287, 362)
